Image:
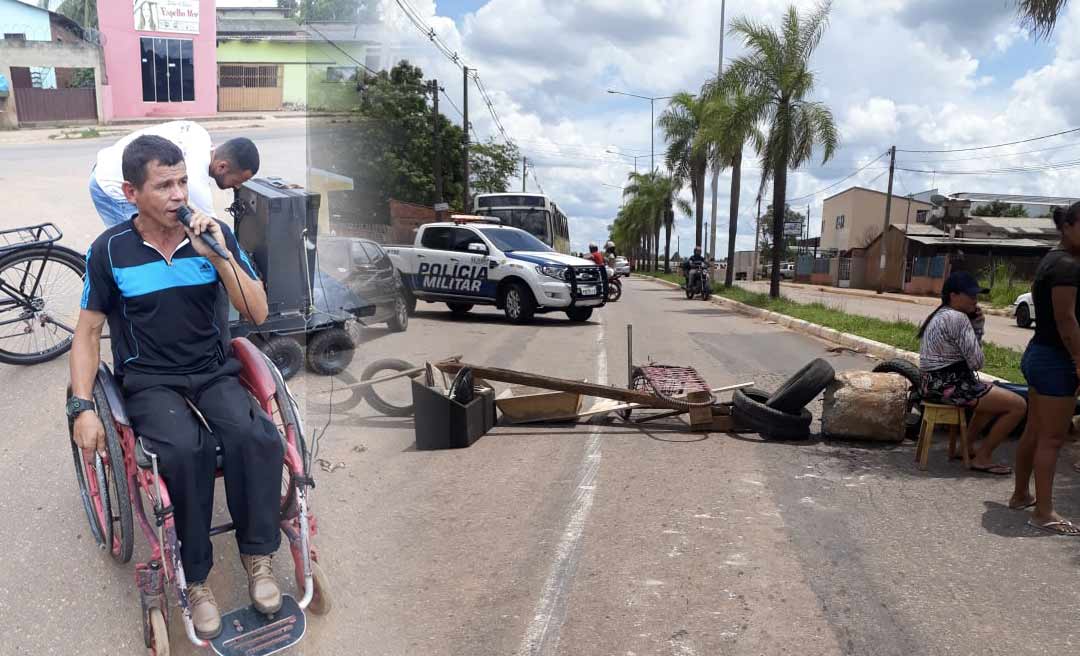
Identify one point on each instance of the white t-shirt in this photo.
(193, 141)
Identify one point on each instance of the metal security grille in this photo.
(249, 87)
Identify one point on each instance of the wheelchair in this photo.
(126, 477)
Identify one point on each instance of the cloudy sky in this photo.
(920, 74)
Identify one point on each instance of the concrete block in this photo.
(866, 406)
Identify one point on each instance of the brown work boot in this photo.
(204, 611)
(263, 588)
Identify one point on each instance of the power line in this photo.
(986, 157)
(1000, 171)
(1000, 145)
(840, 181)
(342, 50)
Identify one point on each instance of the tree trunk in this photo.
(656, 243)
(779, 211)
(699, 207)
(715, 193)
(667, 246)
(733, 220)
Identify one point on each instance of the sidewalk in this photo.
(219, 121)
(869, 293)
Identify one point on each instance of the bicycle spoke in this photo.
(41, 307)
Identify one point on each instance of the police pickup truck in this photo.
(468, 263)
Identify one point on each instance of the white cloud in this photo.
(905, 72)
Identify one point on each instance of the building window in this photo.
(19, 36)
(920, 216)
(341, 73)
(168, 69)
(840, 222)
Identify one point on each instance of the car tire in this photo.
(410, 301)
(518, 303)
(749, 411)
(803, 387)
(1023, 316)
(579, 314)
(459, 309)
(330, 351)
(400, 321)
(286, 354)
(911, 372)
(369, 394)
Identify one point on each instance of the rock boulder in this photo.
(866, 406)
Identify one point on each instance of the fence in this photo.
(43, 105)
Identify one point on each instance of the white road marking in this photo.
(542, 634)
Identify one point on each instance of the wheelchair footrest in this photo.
(247, 632)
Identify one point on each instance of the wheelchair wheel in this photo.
(322, 601)
(157, 633)
(119, 517)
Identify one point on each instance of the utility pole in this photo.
(716, 169)
(436, 162)
(465, 114)
(885, 229)
(524, 166)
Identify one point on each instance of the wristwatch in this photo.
(77, 406)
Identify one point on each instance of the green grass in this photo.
(1003, 288)
(1000, 361)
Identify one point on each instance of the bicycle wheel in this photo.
(40, 294)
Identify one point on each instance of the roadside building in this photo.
(52, 68)
(268, 61)
(160, 58)
(920, 257)
(854, 217)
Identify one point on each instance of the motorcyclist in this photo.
(609, 253)
(595, 255)
(692, 265)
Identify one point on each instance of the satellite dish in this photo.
(938, 199)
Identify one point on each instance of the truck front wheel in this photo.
(579, 313)
(518, 303)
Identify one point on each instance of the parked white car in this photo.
(622, 265)
(787, 271)
(1025, 310)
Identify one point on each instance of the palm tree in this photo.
(686, 158)
(724, 137)
(653, 198)
(776, 78)
(1041, 15)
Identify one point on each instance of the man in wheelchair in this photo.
(156, 282)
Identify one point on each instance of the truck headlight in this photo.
(552, 271)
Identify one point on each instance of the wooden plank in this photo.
(562, 385)
(701, 417)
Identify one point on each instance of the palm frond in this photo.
(1040, 16)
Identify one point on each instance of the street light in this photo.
(633, 157)
(652, 114)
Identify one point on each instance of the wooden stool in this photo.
(941, 415)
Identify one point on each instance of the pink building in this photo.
(160, 58)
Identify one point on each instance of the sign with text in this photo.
(180, 16)
(793, 229)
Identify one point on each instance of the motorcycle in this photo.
(698, 282)
(614, 289)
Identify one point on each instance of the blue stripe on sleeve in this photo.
(86, 282)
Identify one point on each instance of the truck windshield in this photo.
(507, 240)
(533, 220)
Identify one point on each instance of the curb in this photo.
(897, 298)
(854, 342)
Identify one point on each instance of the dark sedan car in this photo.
(365, 269)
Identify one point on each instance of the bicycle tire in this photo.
(63, 256)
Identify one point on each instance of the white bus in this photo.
(533, 213)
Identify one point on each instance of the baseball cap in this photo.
(962, 282)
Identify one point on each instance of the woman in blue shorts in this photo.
(1050, 365)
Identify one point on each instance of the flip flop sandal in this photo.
(1060, 527)
(995, 470)
(1030, 504)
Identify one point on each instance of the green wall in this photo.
(304, 83)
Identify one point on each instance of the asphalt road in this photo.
(581, 540)
(1002, 331)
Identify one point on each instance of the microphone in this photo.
(184, 215)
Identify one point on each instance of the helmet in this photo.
(610, 244)
(593, 247)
